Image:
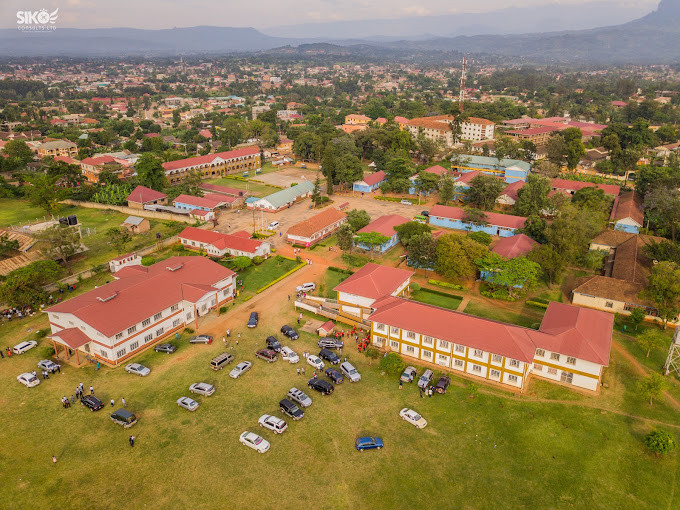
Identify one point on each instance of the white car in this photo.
(306, 287)
(24, 346)
(240, 369)
(315, 362)
(202, 388)
(289, 355)
(413, 418)
(187, 403)
(406, 202)
(276, 425)
(137, 369)
(28, 380)
(254, 441)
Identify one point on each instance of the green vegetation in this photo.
(436, 298)
(14, 211)
(256, 277)
(254, 188)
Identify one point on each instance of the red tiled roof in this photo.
(533, 131)
(221, 241)
(468, 176)
(628, 205)
(512, 189)
(138, 295)
(200, 212)
(400, 120)
(98, 160)
(500, 220)
(218, 197)
(375, 178)
(326, 327)
(316, 223)
(384, 225)
(437, 170)
(374, 281)
(514, 246)
(197, 201)
(73, 337)
(142, 194)
(67, 160)
(477, 120)
(569, 185)
(209, 158)
(241, 233)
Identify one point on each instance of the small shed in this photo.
(136, 225)
(325, 329)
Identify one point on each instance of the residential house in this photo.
(57, 148)
(218, 244)
(190, 203)
(502, 225)
(143, 306)
(92, 167)
(510, 170)
(514, 246)
(384, 225)
(131, 259)
(282, 199)
(142, 196)
(318, 227)
(214, 165)
(627, 213)
(136, 225)
(370, 182)
(285, 146)
(354, 119)
(510, 195)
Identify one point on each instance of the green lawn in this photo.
(528, 317)
(432, 298)
(256, 277)
(491, 451)
(14, 211)
(332, 279)
(255, 188)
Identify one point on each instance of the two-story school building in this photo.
(503, 225)
(384, 226)
(214, 165)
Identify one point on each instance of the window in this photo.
(478, 353)
(459, 363)
(410, 334)
(120, 353)
(394, 331)
(609, 304)
(189, 316)
(538, 368)
(134, 345)
(552, 371)
(394, 345)
(146, 322)
(379, 340)
(571, 360)
(410, 349)
(514, 363)
(495, 374)
(132, 329)
(567, 377)
(427, 340)
(175, 323)
(159, 331)
(443, 344)
(459, 348)
(476, 368)
(158, 316)
(380, 327)
(540, 352)
(555, 356)
(148, 338)
(497, 358)
(427, 355)
(119, 336)
(512, 378)
(174, 307)
(104, 354)
(443, 360)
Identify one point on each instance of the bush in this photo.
(355, 260)
(498, 294)
(660, 442)
(392, 364)
(42, 333)
(537, 304)
(481, 237)
(340, 270)
(188, 331)
(223, 309)
(371, 353)
(258, 260)
(148, 261)
(441, 293)
(446, 284)
(415, 287)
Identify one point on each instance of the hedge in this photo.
(340, 270)
(502, 295)
(537, 304)
(540, 300)
(299, 266)
(446, 284)
(441, 293)
(393, 199)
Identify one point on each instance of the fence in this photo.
(156, 215)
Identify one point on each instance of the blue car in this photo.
(253, 320)
(368, 443)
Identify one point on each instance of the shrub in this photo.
(372, 353)
(279, 258)
(446, 284)
(392, 364)
(223, 309)
(537, 304)
(42, 333)
(660, 442)
(188, 331)
(441, 293)
(481, 237)
(498, 294)
(258, 260)
(148, 261)
(415, 287)
(340, 270)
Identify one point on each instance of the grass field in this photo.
(490, 451)
(14, 211)
(256, 277)
(526, 316)
(432, 298)
(255, 188)
(332, 279)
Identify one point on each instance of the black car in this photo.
(329, 356)
(266, 354)
(334, 375)
(323, 387)
(425, 213)
(166, 348)
(290, 409)
(253, 320)
(442, 384)
(289, 332)
(330, 343)
(92, 402)
(273, 344)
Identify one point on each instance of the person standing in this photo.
(2, 354)
(124, 403)
(132, 440)
(421, 393)
(112, 402)
(54, 459)
(298, 371)
(91, 390)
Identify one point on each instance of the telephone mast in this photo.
(463, 75)
(673, 361)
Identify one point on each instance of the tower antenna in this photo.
(463, 75)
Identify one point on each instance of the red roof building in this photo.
(190, 202)
(142, 196)
(214, 165)
(514, 246)
(384, 225)
(570, 187)
(218, 244)
(318, 227)
(454, 217)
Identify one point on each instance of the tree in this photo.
(555, 150)
(59, 242)
(652, 387)
(43, 192)
(456, 255)
(426, 182)
(660, 442)
(25, 286)
(306, 145)
(514, 275)
(316, 197)
(7, 246)
(329, 168)
(373, 240)
(17, 155)
(636, 316)
(662, 207)
(358, 219)
(241, 263)
(574, 148)
(550, 261)
(481, 237)
(400, 166)
(664, 250)
(484, 190)
(533, 196)
(348, 169)
(407, 230)
(546, 168)
(422, 251)
(372, 354)
(392, 364)
(192, 183)
(345, 237)
(572, 229)
(664, 290)
(447, 189)
(591, 198)
(119, 237)
(667, 133)
(650, 339)
(150, 172)
(475, 216)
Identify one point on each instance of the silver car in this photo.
(188, 403)
(240, 369)
(350, 372)
(202, 388)
(299, 397)
(49, 365)
(276, 425)
(137, 369)
(330, 343)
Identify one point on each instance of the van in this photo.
(273, 225)
(425, 379)
(24, 346)
(350, 372)
(219, 362)
(124, 418)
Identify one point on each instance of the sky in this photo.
(155, 14)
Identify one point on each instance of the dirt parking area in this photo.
(286, 176)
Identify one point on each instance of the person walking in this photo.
(303, 370)
(401, 384)
(228, 333)
(54, 459)
(73, 399)
(224, 341)
(2, 354)
(421, 393)
(132, 440)
(91, 390)
(298, 371)
(123, 401)
(112, 402)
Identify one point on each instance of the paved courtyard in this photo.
(287, 176)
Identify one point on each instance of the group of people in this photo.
(17, 312)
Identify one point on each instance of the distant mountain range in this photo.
(651, 38)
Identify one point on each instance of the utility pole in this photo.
(463, 75)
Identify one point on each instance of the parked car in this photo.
(289, 332)
(406, 202)
(240, 369)
(24, 346)
(289, 355)
(221, 361)
(329, 356)
(28, 380)
(350, 372)
(299, 397)
(368, 443)
(323, 387)
(202, 388)
(201, 339)
(442, 384)
(273, 344)
(92, 402)
(334, 376)
(166, 348)
(425, 213)
(266, 354)
(273, 225)
(290, 409)
(306, 287)
(413, 418)
(253, 320)
(315, 362)
(187, 403)
(124, 418)
(254, 441)
(330, 343)
(137, 369)
(276, 425)
(408, 374)
(425, 379)
(49, 365)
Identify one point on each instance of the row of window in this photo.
(556, 356)
(147, 322)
